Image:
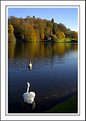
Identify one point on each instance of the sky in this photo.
(66, 16)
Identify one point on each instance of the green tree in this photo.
(54, 37)
(55, 28)
(63, 28)
(60, 35)
(47, 32)
(52, 20)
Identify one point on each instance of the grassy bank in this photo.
(68, 106)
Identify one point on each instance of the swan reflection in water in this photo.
(29, 107)
(32, 106)
(29, 97)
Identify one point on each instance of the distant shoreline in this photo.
(36, 29)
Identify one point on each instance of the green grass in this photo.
(68, 106)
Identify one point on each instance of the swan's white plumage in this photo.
(30, 65)
(29, 96)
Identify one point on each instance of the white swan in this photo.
(30, 65)
(29, 96)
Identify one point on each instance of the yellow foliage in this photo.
(42, 36)
(60, 35)
(10, 28)
(30, 34)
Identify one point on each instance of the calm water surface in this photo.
(53, 76)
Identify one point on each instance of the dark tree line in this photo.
(37, 29)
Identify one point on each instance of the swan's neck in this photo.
(27, 88)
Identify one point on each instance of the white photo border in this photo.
(41, 6)
(5, 43)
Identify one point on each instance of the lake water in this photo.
(54, 74)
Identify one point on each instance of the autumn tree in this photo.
(11, 36)
(30, 34)
(74, 34)
(60, 35)
(63, 28)
(47, 32)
